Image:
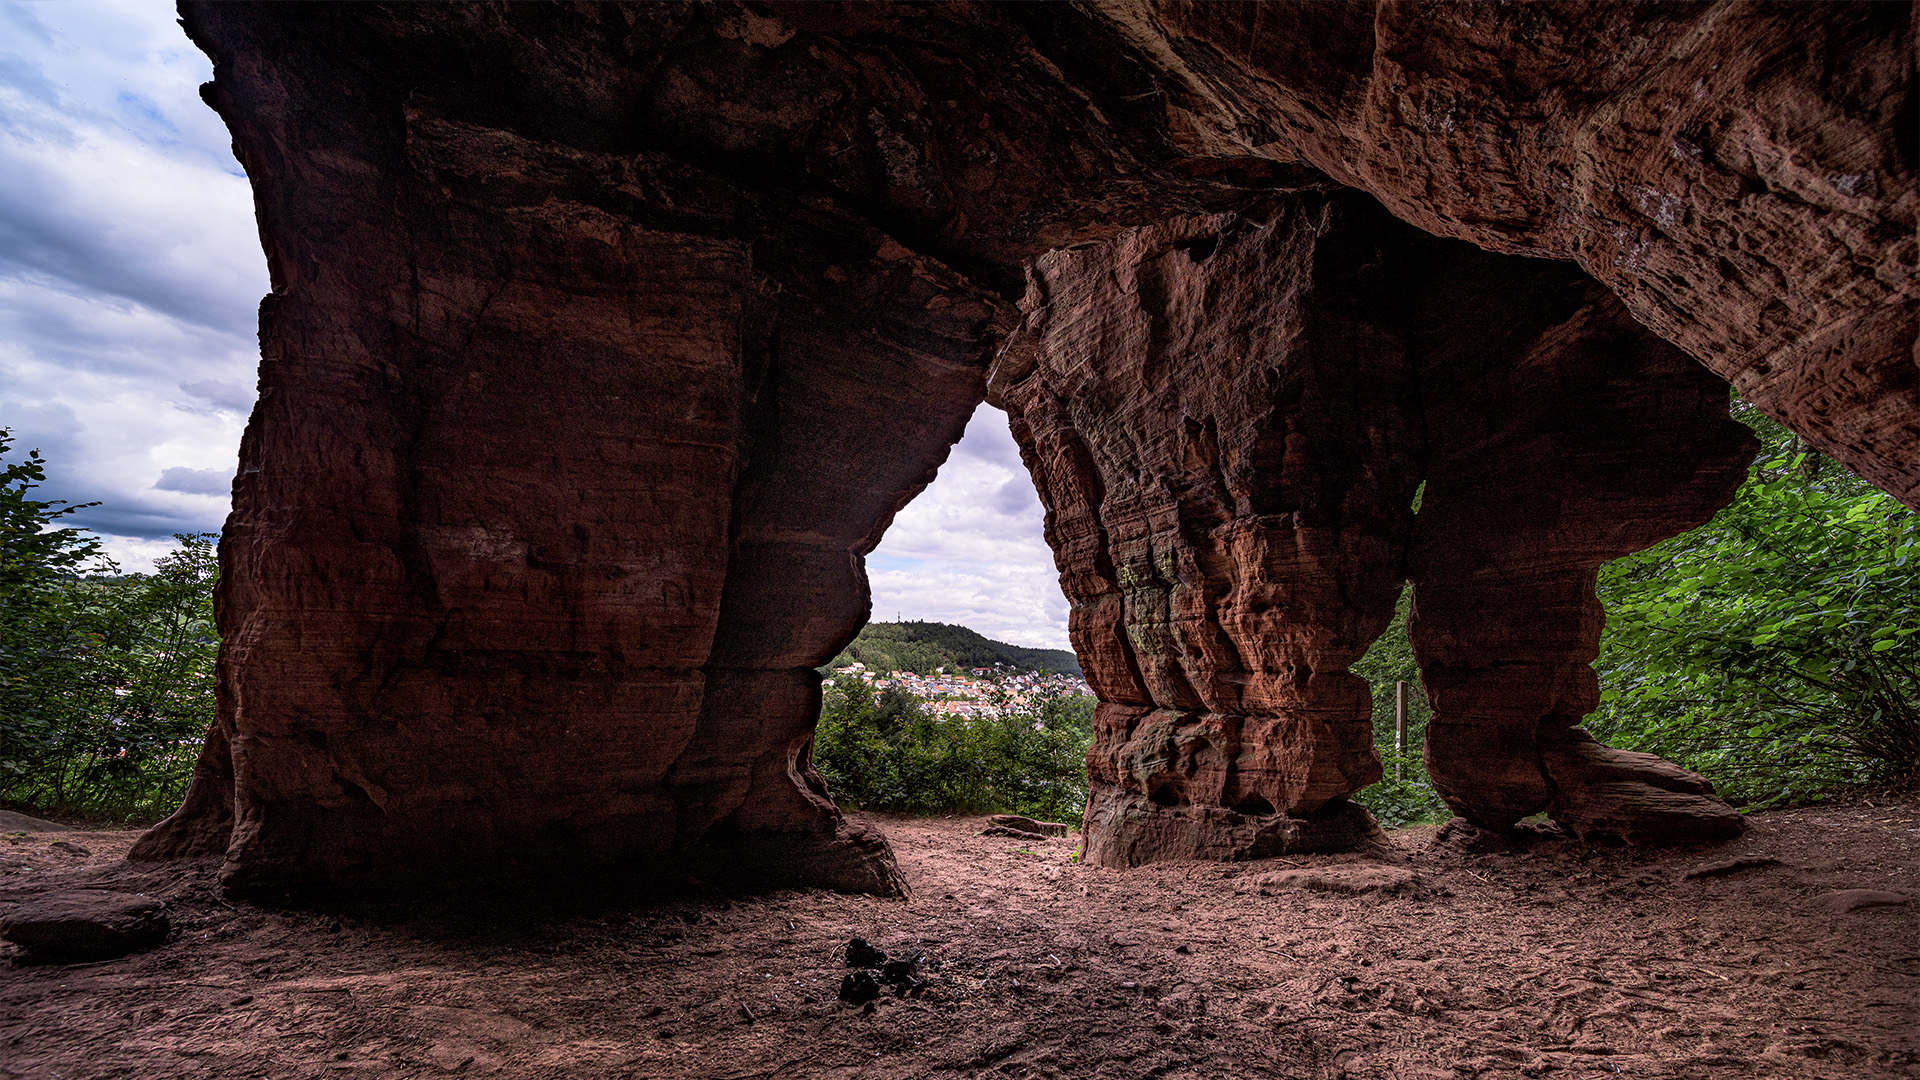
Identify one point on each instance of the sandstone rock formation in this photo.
(1743, 176)
(556, 492)
(1227, 418)
(1221, 419)
(1560, 434)
(605, 340)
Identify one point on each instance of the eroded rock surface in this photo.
(605, 340)
(1228, 417)
(1743, 176)
(558, 486)
(1221, 417)
(1561, 434)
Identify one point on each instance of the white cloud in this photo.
(130, 270)
(970, 550)
(131, 554)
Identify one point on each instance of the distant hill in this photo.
(923, 647)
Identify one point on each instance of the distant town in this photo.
(953, 691)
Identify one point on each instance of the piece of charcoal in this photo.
(903, 975)
(859, 986)
(862, 955)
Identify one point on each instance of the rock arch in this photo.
(605, 341)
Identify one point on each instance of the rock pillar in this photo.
(1228, 418)
(558, 487)
(1220, 414)
(1562, 434)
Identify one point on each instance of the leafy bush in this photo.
(880, 749)
(106, 680)
(143, 698)
(1409, 799)
(40, 646)
(1776, 649)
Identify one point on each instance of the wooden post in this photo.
(1399, 727)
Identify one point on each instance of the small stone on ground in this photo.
(1845, 900)
(1017, 834)
(1029, 825)
(13, 822)
(1723, 867)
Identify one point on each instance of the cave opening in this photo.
(965, 674)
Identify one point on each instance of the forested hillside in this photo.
(924, 647)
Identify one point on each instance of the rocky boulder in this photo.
(89, 924)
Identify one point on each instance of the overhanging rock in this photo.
(606, 340)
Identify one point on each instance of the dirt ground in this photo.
(1561, 961)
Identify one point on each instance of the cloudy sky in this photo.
(130, 273)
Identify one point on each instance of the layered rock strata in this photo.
(1745, 177)
(1222, 420)
(556, 492)
(606, 339)
(1228, 417)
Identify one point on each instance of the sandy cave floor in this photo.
(1563, 962)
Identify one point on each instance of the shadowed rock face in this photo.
(1227, 418)
(605, 341)
(1742, 176)
(1561, 434)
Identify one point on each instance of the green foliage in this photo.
(106, 682)
(39, 646)
(1408, 800)
(1776, 649)
(880, 749)
(924, 647)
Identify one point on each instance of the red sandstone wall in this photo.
(604, 341)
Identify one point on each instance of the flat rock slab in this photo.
(1017, 834)
(1028, 825)
(1846, 900)
(1723, 867)
(12, 822)
(86, 925)
(1357, 878)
